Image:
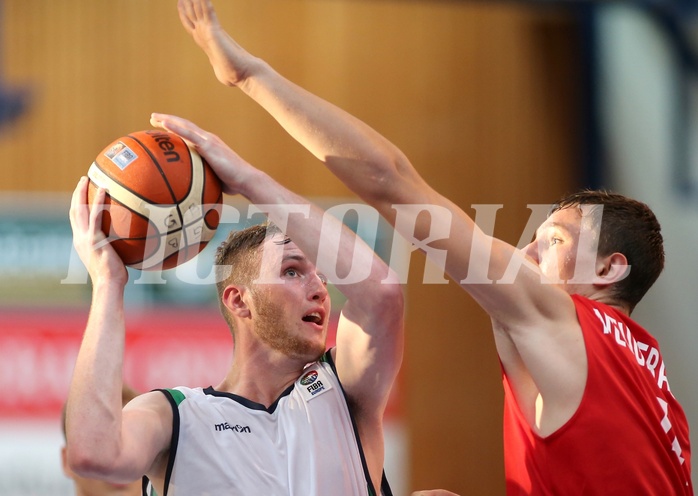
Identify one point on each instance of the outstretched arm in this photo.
(367, 162)
(538, 337)
(102, 441)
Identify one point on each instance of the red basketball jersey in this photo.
(629, 435)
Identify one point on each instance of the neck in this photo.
(623, 308)
(614, 303)
(608, 298)
(261, 377)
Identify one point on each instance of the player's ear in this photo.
(612, 268)
(235, 300)
(64, 462)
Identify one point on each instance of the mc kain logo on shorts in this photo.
(312, 383)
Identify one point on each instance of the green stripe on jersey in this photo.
(177, 395)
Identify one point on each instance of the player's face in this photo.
(565, 248)
(291, 302)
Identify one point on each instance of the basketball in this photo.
(163, 201)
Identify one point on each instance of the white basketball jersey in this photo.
(305, 444)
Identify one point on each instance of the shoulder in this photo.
(153, 402)
(178, 394)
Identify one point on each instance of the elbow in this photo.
(384, 178)
(89, 462)
(390, 295)
(379, 173)
(391, 282)
(380, 180)
(83, 463)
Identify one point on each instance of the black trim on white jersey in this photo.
(385, 487)
(174, 441)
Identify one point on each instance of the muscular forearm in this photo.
(93, 419)
(365, 161)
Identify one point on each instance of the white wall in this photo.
(638, 92)
(30, 460)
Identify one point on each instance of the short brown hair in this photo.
(238, 257)
(628, 227)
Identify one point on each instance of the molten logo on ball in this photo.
(163, 201)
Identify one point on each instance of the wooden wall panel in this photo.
(481, 96)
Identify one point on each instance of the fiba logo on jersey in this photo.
(309, 378)
(311, 382)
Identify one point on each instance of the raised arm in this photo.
(365, 161)
(373, 167)
(535, 323)
(536, 331)
(102, 441)
(362, 158)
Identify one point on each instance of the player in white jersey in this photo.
(305, 441)
(288, 418)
